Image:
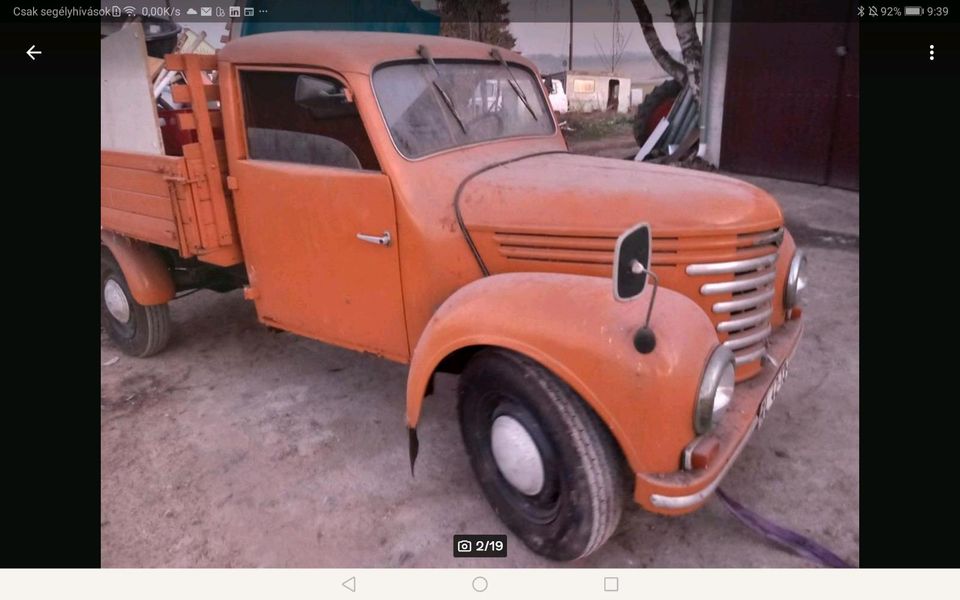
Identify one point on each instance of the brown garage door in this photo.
(791, 107)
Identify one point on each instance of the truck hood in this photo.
(567, 194)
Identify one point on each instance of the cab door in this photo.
(316, 215)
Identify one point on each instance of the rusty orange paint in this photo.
(646, 400)
(545, 227)
(309, 272)
(701, 216)
(147, 276)
(732, 433)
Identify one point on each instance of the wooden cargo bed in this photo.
(179, 202)
(137, 199)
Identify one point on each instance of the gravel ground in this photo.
(239, 447)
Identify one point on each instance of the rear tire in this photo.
(571, 504)
(136, 329)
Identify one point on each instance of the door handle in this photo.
(380, 240)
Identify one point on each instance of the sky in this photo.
(554, 38)
(542, 26)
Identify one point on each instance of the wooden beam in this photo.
(183, 93)
(176, 62)
(189, 121)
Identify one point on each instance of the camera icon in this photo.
(464, 546)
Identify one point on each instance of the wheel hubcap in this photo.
(516, 455)
(116, 301)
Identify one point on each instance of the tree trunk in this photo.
(672, 67)
(690, 47)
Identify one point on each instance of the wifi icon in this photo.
(129, 11)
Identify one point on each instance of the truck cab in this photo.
(412, 197)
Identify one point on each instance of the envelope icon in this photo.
(206, 11)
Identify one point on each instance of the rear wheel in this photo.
(136, 329)
(655, 106)
(547, 465)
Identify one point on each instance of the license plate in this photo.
(772, 391)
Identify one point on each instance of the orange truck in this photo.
(619, 329)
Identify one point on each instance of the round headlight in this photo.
(796, 280)
(716, 389)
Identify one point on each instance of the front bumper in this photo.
(685, 491)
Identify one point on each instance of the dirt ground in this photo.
(239, 447)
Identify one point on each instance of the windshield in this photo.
(411, 98)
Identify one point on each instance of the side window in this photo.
(303, 118)
(584, 86)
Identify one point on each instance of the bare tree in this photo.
(685, 22)
(689, 71)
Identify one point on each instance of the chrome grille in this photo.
(741, 292)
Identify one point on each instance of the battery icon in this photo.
(912, 11)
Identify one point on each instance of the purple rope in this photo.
(792, 540)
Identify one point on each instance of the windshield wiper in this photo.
(425, 54)
(513, 82)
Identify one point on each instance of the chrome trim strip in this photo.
(771, 238)
(772, 360)
(746, 341)
(754, 318)
(743, 302)
(793, 274)
(678, 502)
(738, 285)
(688, 453)
(733, 266)
(750, 356)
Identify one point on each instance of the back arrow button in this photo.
(32, 53)
(350, 584)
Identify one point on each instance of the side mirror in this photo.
(314, 92)
(631, 262)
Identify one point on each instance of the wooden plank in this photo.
(210, 149)
(154, 66)
(134, 180)
(188, 121)
(188, 228)
(158, 207)
(182, 93)
(202, 211)
(128, 116)
(138, 160)
(176, 62)
(225, 256)
(192, 151)
(140, 227)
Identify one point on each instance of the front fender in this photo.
(146, 274)
(572, 325)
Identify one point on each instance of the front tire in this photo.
(545, 462)
(136, 329)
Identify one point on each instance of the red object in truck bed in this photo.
(175, 136)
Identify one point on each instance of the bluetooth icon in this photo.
(859, 11)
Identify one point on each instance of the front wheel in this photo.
(544, 461)
(136, 329)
